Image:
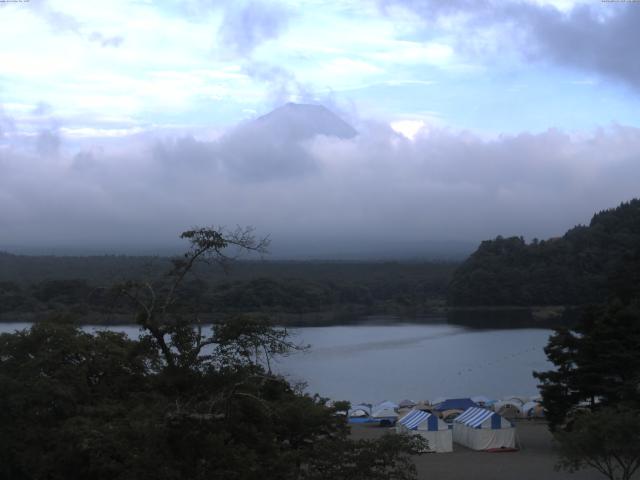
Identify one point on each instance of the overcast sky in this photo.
(123, 123)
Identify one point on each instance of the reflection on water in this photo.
(375, 345)
(372, 363)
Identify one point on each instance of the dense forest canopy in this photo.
(32, 287)
(575, 269)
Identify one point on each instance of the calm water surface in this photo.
(373, 363)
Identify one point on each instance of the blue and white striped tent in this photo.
(437, 433)
(417, 417)
(474, 417)
(482, 429)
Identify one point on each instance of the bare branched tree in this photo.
(182, 341)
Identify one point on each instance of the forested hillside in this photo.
(81, 285)
(578, 268)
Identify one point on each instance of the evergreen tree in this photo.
(597, 363)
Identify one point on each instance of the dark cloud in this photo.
(48, 143)
(596, 38)
(318, 194)
(600, 40)
(245, 25)
(83, 161)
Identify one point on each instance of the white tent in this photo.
(508, 408)
(359, 414)
(385, 405)
(386, 416)
(407, 404)
(437, 433)
(481, 429)
(532, 410)
(386, 413)
(362, 410)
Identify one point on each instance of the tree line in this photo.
(578, 268)
(302, 288)
(592, 395)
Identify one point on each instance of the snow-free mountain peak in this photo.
(299, 121)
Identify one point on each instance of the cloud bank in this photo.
(597, 37)
(377, 194)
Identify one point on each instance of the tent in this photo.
(481, 429)
(386, 416)
(449, 415)
(455, 404)
(423, 405)
(508, 408)
(532, 410)
(482, 401)
(386, 413)
(407, 404)
(437, 433)
(385, 405)
(360, 414)
(516, 399)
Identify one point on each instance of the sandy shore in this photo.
(535, 461)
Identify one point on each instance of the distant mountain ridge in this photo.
(586, 265)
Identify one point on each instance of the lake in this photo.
(370, 363)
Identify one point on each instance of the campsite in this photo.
(475, 441)
(534, 461)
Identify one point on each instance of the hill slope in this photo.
(581, 267)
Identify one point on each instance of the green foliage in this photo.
(62, 390)
(384, 459)
(597, 363)
(338, 291)
(607, 440)
(592, 397)
(575, 269)
(250, 340)
(181, 402)
(75, 405)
